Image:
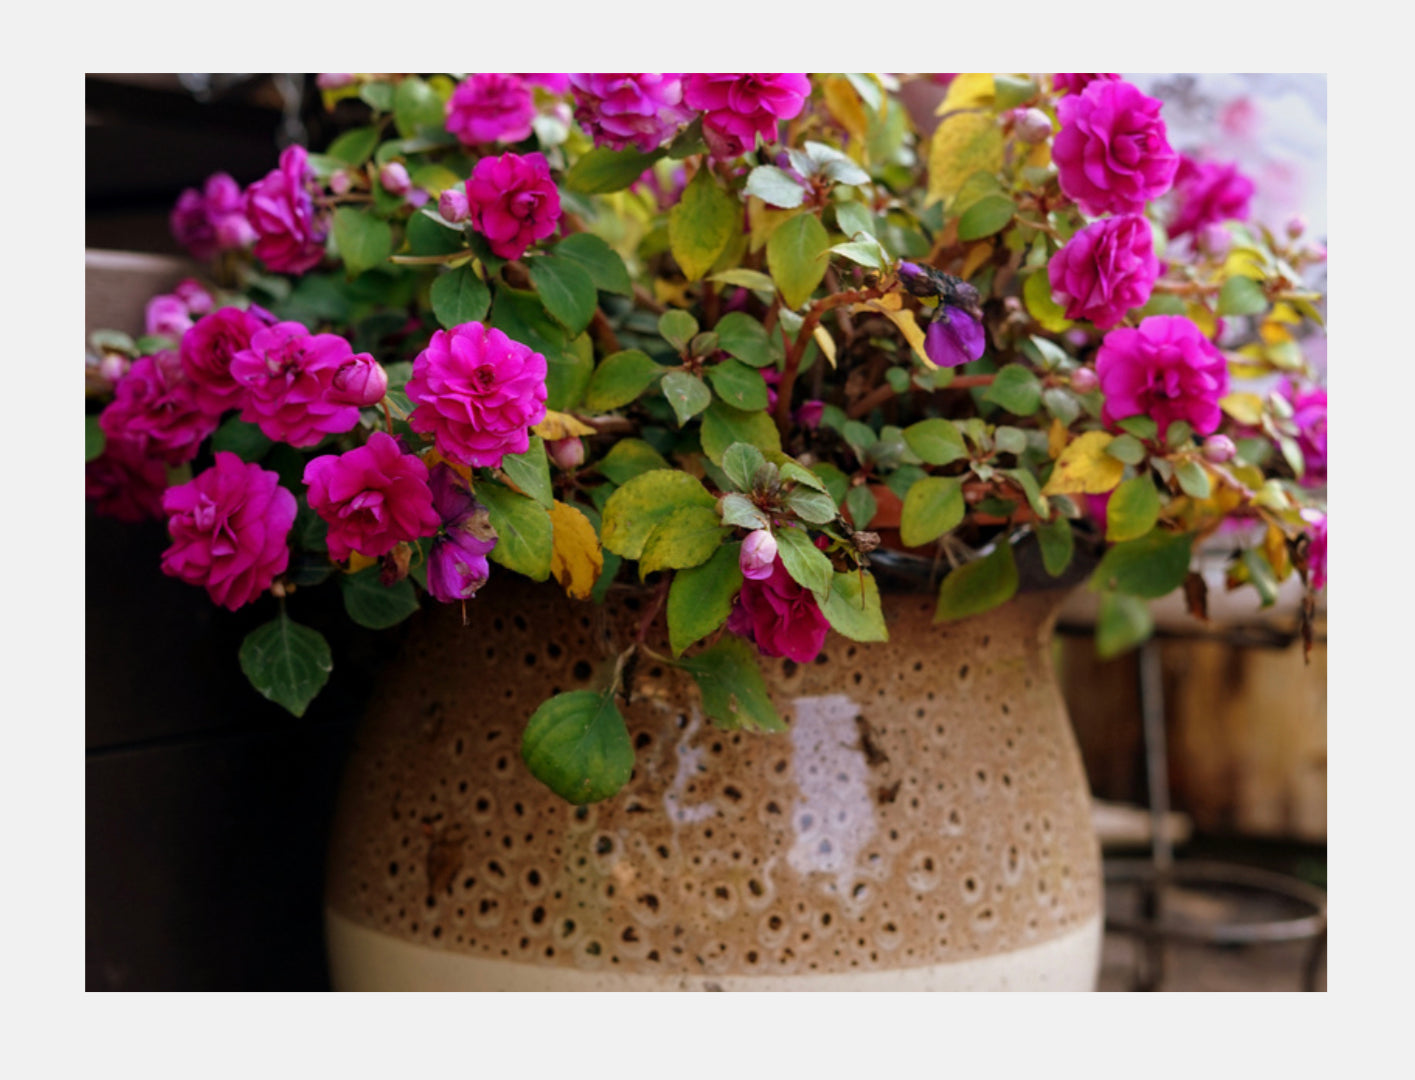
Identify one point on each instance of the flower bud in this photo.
(394, 178)
(1296, 226)
(567, 453)
(1214, 240)
(1031, 125)
(360, 381)
(114, 366)
(1084, 380)
(1219, 448)
(810, 413)
(333, 80)
(914, 278)
(758, 555)
(194, 295)
(417, 198)
(452, 205)
(340, 182)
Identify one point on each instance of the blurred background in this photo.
(208, 807)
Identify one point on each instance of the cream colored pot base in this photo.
(364, 959)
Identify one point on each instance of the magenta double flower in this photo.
(513, 202)
(290, 231)
(640, 110)
(212, 220)
(1105, 270)
(372, 498)
(1208, 193)
(1112, 153)
(288, 375)
(738, 107)
(207, 351)
(1165, 369)
(780, 616)
(491, 107)
(155, 412)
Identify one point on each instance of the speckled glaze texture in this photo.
(927, 806)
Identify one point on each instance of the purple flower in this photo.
(1309, 413)
(1105, 270)
(230, 527)
(212, 220)
(1208, 193)
(457, 565)
(490, 107)
(954, 337)
(640, 110)
(207, 351)
(288, 376)
(1074, 83)
(477, 393)
(290, 234)
(373, 498)
(124, 485)
(739, 107)
(810, 413)
(513, 202)
(155, 412)
(1112, 154)
(167, 315)
(780, 616)
(1317, 551)
(758, 555)
(1165, 369)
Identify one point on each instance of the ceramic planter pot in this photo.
(923, 825)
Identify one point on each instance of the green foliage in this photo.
(743, 337)
(530, 471)
(978, 586)
(577, 744)
(597, 259)
(688, 394)
(1121, 623)
(286, 662)
(700, 598)
(737, 384)
(417, 108)
(1133, 509)
(566, 290)
(1016, 389)
(1149, 567)
(629, 458)
(775, 187)
(723, 425)
(570, 364)
(363, 240)
(734, 694)
(933, 506)
(796, 254)
(1242, 296)
(645, 502)
(603, 170)
(985, 217)
(806, 563)
(685, 538)
(94, 440)
(702, 223)
(853, 608)
(459, 296)
(525, 535)
(371, 603)
(620, 378)
(1058, 543)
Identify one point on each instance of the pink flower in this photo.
(167, 315)
(1208, 193)
(155, 412)
(194, 294)
(207, 351)
(373, 498)
(1105, 270)
(758, 555)
(125, 486)
(739, 107)
(558, 83)
(513, 202)
(457, 565)
(477, 394)
(229, 526)
(211, 220)
(1165, 369)
(780, 616)
(1074, 83)
(954, 337)
(640, 110)
(1317, 552)
(810, 413)
(490, 107)
(1112, 154)
(288, 376)
(1309, 413)
(290, 234)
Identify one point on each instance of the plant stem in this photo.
(803, 338)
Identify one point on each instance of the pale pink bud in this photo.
(417, 198)
(360, 381)
(1084, 380)
(567, 453)
(1219, 448)
(194, 295)
(333, 80)
(394, 178)
(758, 555)
(1031, 125)
(340, 182)
(452, 204)
(1296, 226)
(114, 366)
(1214, 240)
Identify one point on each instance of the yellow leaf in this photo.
(576, 559)
(890, 302)
(763, 221)
(1244, 262)
(1273, 332)
(967, 91)
(844, 104)
(1284, 312)
(1085, 468)
(666, 292)
(1243, 407)
(1203, 318)
(1275, 548)
(965, 143)
(904, 319)
(559, 425)
(432, 458)
(359, 561)
(1056, 439)
(978, 254)
(1040, 157)
(825, 341)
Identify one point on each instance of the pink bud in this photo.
(1214, 240)
(359, 381)
(758, 555)
(1084, 380)
(1296, 226)
(452, 205)
(340, 182)
(1031, 125)
(810, 413)
(417, 198)
(194, 295)
(1219, 448)
(333, 80)
(394, 178)
(567, 453)
(114, 366)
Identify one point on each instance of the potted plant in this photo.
(727, 447)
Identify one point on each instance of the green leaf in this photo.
(1058, 543)
(700, 598)
(988, 215)
(244, 440)
(1011, 91)
(603, 170)
(1121, 623)
(1261, 575)
(853, 607)
(286, 662)
(775, 187)
(530, 472)
(363, 240)
(740, 462)
(459, 296)
(596, 258)
(678, 328)
(566, 290)
(854, 218)
(814, 506)
(1010, 440)
(734, 693)
(701, 224)
(933, 506)
(935, 441)
(796, 256)
(1039, 503)
(629, 458)
(867, 252)
(1127, 448)
(863, 506)
(427, 237)
(1036, 292)
(740, 335)
(355, 146)
(1150, 567)
(620, 379)
(1133, 509)
(739, 510)
(525, 535)
(1242, 296)
(978, 586)
(417, 108)
(377, 95)
(1179, 433)
(520, 316)
(685, 538)
(637, 508)
(577, 744)
(1194, 480)
(737, 384)
(746, 279)
(835, 481)
(372, 604)
(1142, 427)
(806, 563)
(1016, 389)
(94, 440)
(688, 395)
(723, 425)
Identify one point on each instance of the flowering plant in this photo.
(740, 330)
